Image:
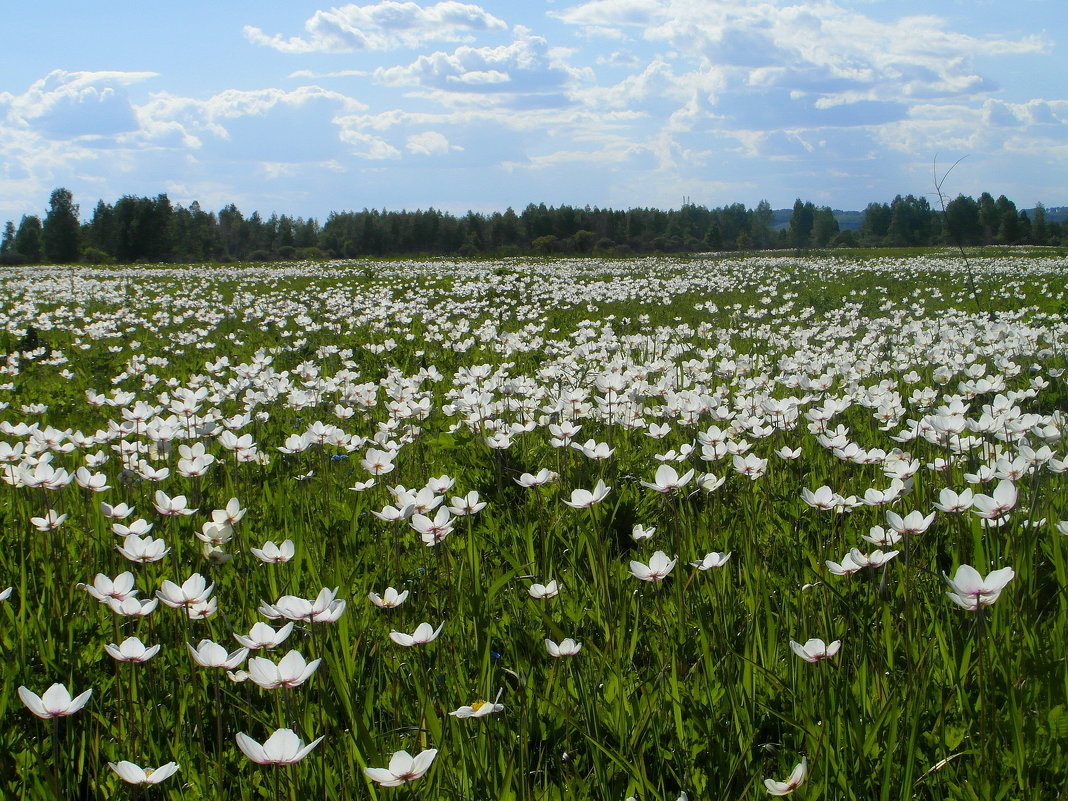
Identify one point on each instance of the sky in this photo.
(302, 108)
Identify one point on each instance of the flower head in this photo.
(971, 591)
(133, 774)
(283, 747)
(657, 570)
(815, 650)
(403, 767)
(567, 647)
(797, 778)
(423, 634)
(54, 703)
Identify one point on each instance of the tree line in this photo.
(144, 229)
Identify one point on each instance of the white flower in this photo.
(131, 650)
(797, 778)
(275, 554)
(567, 647)
(711, 560)
(389, 599)
(971, 591)
(423, 634)
(549, 590)
(54, 703)
(657, 570)
(815, 649)
(283, 747)
(479, 709)
(133, 774)
(263, 636)
(403, 767)
(584, 499)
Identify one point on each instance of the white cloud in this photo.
(65, 104)
(382, 26)
(527, 65)
(428, 143)
(369, 147)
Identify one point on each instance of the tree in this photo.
(876, 223)
(801, 223)
(760, 225)
(7, 243)
(824, 226)
(962, 221)
(61, 228)
(1039, 231)
(28, 239)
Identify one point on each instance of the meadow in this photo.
(709, 527)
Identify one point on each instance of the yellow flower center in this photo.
(477, 705)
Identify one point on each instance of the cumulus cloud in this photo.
(65, 105)
(527, 67)
(381, 26)
(823, 48)
(428, 143)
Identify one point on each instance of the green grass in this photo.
(688, 685)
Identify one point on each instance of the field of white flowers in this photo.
(651, 529)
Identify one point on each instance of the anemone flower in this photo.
(54, 703)
(567, 647)
(584, 499)
(389, 599)
(550, 590)
(971, 591)
(797, 778)
(283, 747)
(423, 634)
(815, 650)
(712, 560)
(131, 650)
(263, 636)
(480, 709)
(133, 774)
(273, 554)
(403, 768)
(291, 671)
(657, 570)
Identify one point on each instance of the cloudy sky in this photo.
(301, 108)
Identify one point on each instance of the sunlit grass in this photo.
(681, 679)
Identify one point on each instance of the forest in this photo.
(153, 229)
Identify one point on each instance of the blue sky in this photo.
(302, 108)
